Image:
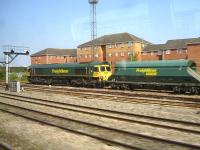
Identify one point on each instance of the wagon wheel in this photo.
(194, 90)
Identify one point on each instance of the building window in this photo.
(117, 44)
(116, 54)
(130, 44)
(110, 54)
(122, 44)
(184, 50)
(109, 45)
(144, 53)
(168, 51)
(130, 53)
(96, 47)
(122, 53)
(142, 45)
(179, 51)
(159, 52)
(96, 55)
(110, 62)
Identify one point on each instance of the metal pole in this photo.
(7, 59)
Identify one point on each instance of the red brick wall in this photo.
(149, 56)
(117, 52)
(38, 59)
(173, 55)
(176, 55)
(52, 59)
(194, 53)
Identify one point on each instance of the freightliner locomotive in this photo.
(177, 75)
(92, 74)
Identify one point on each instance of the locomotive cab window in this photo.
(103, 69)
(108, 69)
(96, 69)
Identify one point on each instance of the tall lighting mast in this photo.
(93, 22)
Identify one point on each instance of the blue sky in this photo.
(41, 24)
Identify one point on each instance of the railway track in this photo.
(137, 92)
(112, 135)
(128, 97)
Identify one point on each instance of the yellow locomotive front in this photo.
(103, 72)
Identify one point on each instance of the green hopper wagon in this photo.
(177, 75)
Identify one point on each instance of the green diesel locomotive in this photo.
(78, 74)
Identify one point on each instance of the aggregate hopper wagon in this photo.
(177, 75)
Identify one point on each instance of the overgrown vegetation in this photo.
(15, 74)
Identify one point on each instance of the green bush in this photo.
(16, 74)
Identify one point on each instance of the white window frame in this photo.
(168, 51)
(179, 51)
(109, 45)
(96, 55)
(160, 52)
(144, 53)
(142, 45)
(117, 45)
(121, 45)
(130, 44)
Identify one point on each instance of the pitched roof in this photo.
(171, 44)
(57, 52)
(112, 39)
(154, 47)
(181, 43)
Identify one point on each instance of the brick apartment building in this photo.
(54, 56)
(174, 49)
(194, 52)
(112, 48)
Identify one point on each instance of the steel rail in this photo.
(112, 114)
(127, 137)
(121, 98)
(119, 92)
